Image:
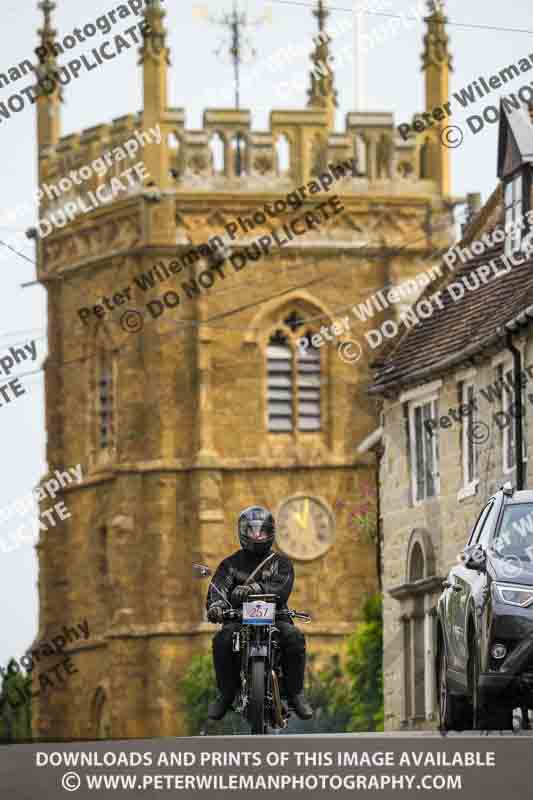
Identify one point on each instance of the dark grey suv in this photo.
(485, 620)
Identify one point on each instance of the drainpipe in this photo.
(379, 527)
(518, 427)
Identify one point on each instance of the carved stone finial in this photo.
(436, 7)
(155, 37)
(47, 33)
(321, 13)
(436, 41)
(46, 53)
(322, 92)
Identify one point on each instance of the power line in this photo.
(404, 16)
(18, 252)
(187, 324)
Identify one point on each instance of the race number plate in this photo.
(258, 613)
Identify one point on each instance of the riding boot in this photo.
(294, 668)
(227, 667)
(293, 664)
(301, 706)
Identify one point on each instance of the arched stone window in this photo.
(384, 152)
(102, 565)
(361, 155)
(101, 408)
(418, 597)
(293, 378)
(173, 141)
(416, 562)
(425, 152)
(174, 152)
(100, 715)
(283, 154)
(105, 402)
(238, 146)
(217, 147)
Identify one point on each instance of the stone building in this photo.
(190, 400)
(450, 422)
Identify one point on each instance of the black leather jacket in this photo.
(276, 577)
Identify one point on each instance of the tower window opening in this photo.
(293, 379)
(309, 388)
(360, 154)
(105, 406)
(238, 147)
(283, 152)
(216, 145)
(279, 384)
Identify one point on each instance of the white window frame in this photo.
(508, 400)
(467, 422)
(514, 212)
(420, 402)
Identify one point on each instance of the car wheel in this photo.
(485, 719)
(453, 714)
(501, 720)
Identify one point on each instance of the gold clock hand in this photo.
(303, 522)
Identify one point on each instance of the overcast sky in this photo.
(198, 78)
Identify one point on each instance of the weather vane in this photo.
(238, 47)
(436, 6)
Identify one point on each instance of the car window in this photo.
(479, 524)
(514, 540)
(488, 525)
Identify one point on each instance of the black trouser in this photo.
(227, 663)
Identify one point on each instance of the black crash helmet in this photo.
(257, 530)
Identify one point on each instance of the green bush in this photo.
(15, 707)
(364, 667)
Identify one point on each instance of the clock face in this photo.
(304, 528)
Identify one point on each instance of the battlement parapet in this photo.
(226, 154)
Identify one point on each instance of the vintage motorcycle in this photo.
(261, 697)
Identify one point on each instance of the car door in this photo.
(470, 583)
(459, 590)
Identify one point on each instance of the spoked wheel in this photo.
(256, 705)
(453, 712)
(276, 701)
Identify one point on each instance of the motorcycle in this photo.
(261, 699)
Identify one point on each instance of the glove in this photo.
(215, 612)
(240, 593)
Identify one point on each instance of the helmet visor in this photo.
(256, 532)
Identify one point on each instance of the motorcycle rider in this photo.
(256, 529)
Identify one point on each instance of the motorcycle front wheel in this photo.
(256, 704)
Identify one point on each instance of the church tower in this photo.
(194, 369)
(437, 65)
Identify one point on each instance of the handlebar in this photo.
(236, 614)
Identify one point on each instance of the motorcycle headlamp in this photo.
(515, 595)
